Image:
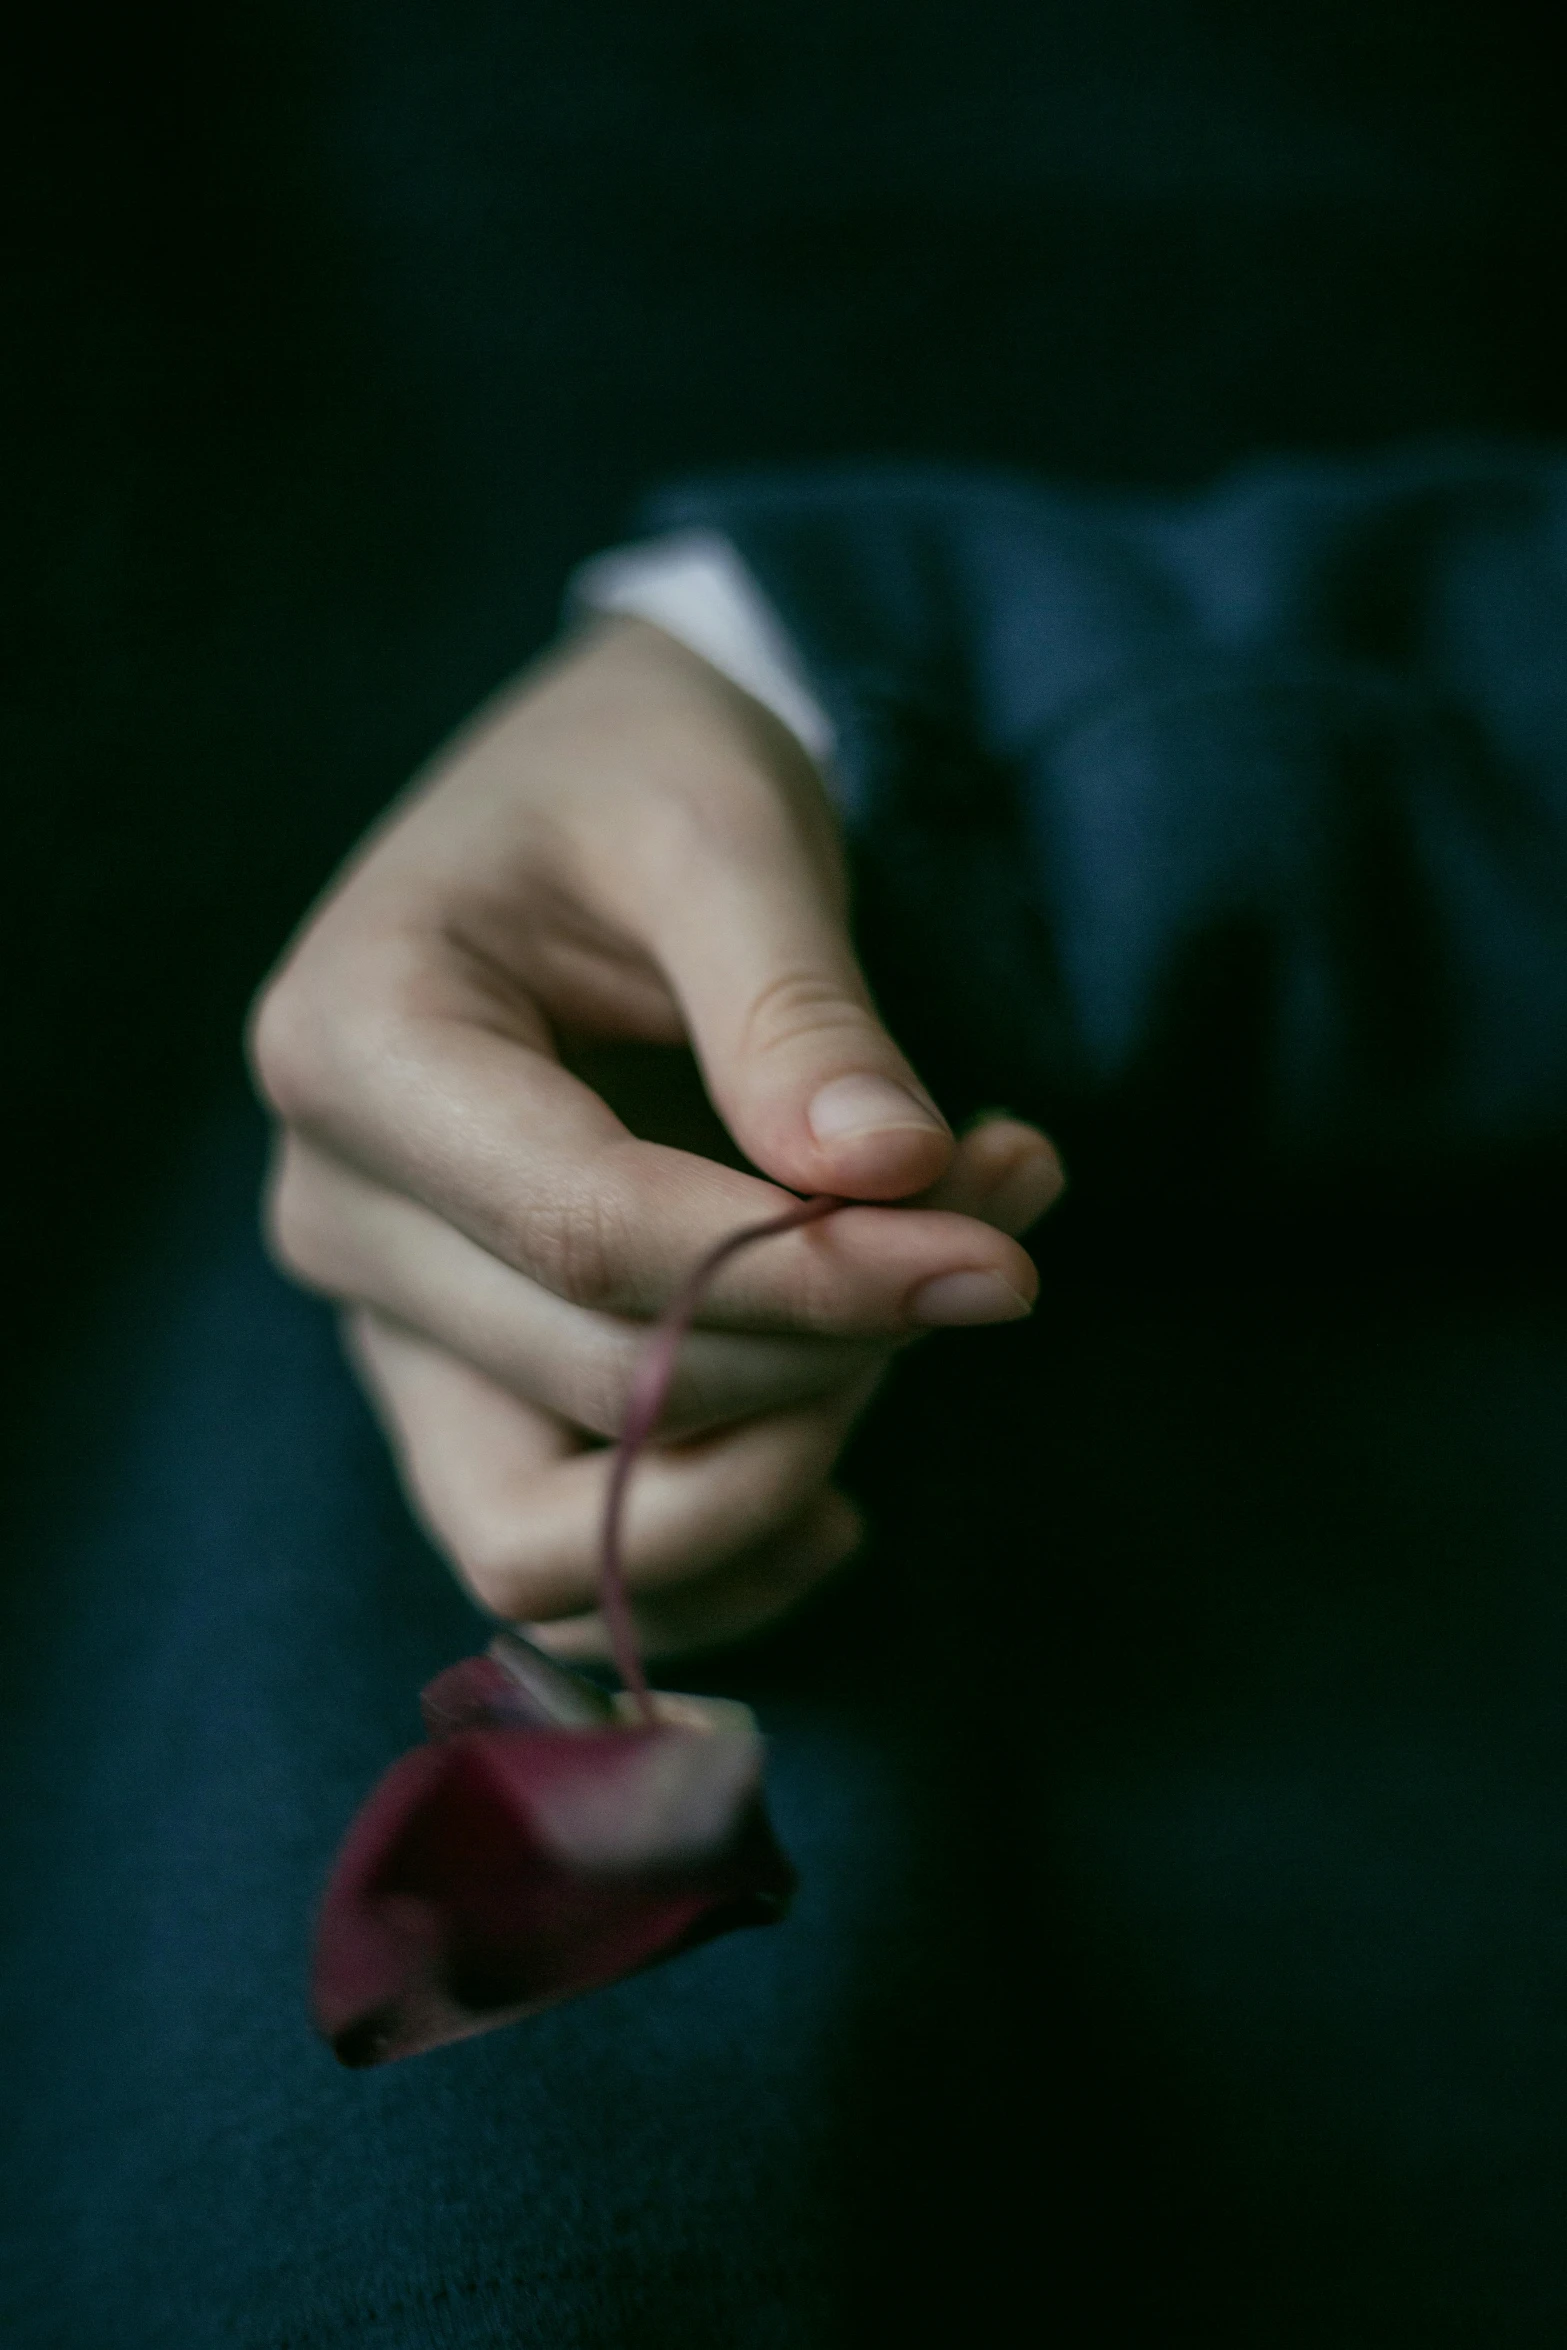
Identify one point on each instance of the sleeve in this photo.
(1232, 824)
(692, 584)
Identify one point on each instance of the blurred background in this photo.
(338, 332)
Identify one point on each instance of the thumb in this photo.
(756, 947)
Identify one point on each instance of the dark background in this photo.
(338, 332)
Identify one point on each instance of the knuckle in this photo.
(292, 1223)
(324, 1018)
(574, 1244)
(285, 1042)
(798, 1005)
(491, 1575)
(492, 1554)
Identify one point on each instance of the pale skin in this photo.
(621, 857)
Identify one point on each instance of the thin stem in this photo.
(649, 1393)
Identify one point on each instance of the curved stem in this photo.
(649, 1394)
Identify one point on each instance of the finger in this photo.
(1004, 1172)
(515, 1503)
(738, 1600)
(364, 1245)
(799, 1065)
(500, 1141)
(465, 1449)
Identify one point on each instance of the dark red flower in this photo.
(549, 1839)
(518, 1859)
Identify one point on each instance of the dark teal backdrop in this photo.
(1180, 1788)
(337, 332)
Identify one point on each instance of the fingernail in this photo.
(868, 1105)
(956, 1298)
(1025, 1191)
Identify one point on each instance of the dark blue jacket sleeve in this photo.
(1234, 821)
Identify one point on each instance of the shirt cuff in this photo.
(692, 585)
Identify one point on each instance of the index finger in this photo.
(438, 1088)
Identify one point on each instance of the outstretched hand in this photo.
(621, 858)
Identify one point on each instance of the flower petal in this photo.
(500, 1870)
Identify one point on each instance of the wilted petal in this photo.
(500, 1870)
(513, 1684)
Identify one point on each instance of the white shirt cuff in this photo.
(693, 586)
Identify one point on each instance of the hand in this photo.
(621, 858)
